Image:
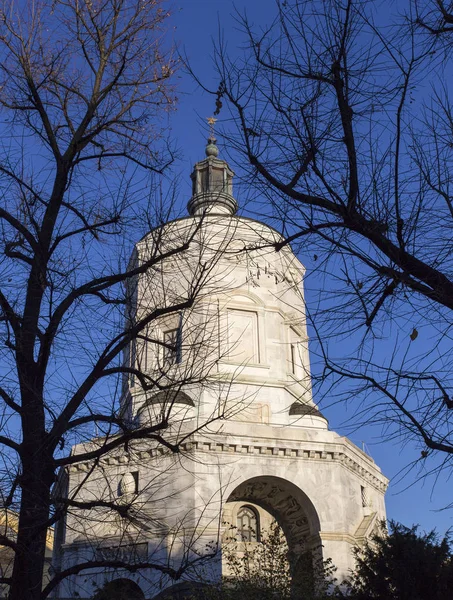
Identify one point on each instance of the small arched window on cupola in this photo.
(248, 524)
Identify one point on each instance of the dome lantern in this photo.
(212, 184)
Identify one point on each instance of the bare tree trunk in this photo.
(28, 568)
(35, 482)
(85, 135)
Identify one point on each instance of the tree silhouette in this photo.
(403, 564)
(342, 122)
(85, 87)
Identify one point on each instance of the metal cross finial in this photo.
(211, 122)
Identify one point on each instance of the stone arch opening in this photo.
(175, 405)
(120, 589)
(292, 510)
(287, 503)
(172, 397)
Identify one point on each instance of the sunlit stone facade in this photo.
(231, 373)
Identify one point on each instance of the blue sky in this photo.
(410, 499)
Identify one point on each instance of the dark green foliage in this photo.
(119, 589)
(403, 565)
(262, 571)
(400, 564)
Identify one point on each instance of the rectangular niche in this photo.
(243, 344)
(295, 354)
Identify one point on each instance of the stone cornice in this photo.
(280, 451)
(337, 537)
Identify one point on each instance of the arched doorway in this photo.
(120, 589)
(260, 501)
(287, 503)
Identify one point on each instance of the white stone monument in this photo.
(232, 375)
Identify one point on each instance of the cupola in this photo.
(212, 185)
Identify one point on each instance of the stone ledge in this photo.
(332, 536)
(274, 451)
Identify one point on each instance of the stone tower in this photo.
(231, 375)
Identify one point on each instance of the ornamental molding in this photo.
(334, 536)
(263, 450)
